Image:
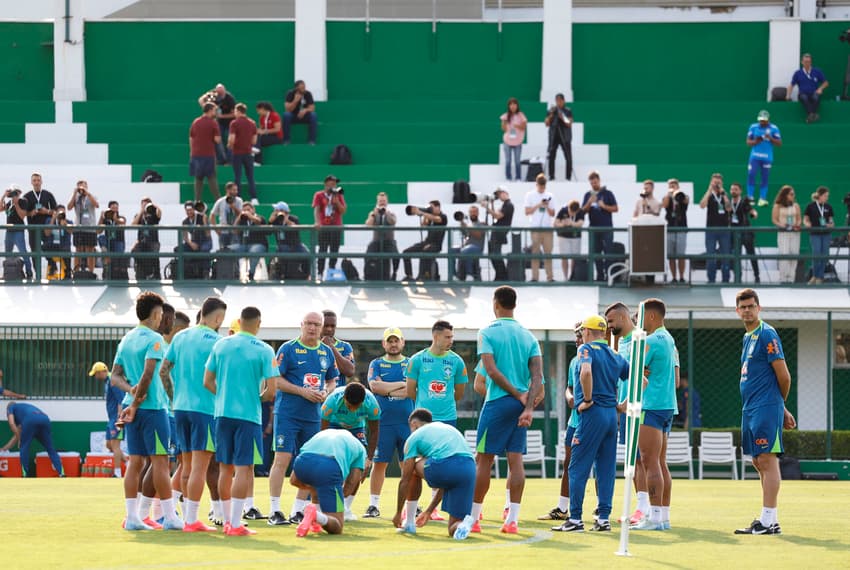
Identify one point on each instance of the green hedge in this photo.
(799, 444)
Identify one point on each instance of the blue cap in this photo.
(282, 206)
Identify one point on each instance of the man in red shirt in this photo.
(204, 135)
(270, 130)
(242, 138)
(328, 208)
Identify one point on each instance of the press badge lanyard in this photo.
(821, 209)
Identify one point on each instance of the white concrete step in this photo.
(595, 153)
(50, 153)
(538, 133)
(610, 173)
(53, 133)
(56, 175)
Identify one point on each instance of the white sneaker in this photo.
(255, 150)
(349, 515)
(255, 202)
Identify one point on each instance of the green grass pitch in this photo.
(75, 523)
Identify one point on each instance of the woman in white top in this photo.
(513, 125)
(786, 217)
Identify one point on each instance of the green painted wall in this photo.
(177, 60)
(460, 61)
(821, 40)
(26, 65)
(670, 62)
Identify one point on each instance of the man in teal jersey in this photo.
(134, 371)
(386, 379)
(330, 464)
(512, 360)
(343, 351)
(193, 404)
(351, 407)
(436, 376)
(438, 454)
(239, 370)
(658, 408)
(561, 512)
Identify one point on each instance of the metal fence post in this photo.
(829, 352)
(690, 377)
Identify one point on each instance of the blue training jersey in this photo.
(572, 380)
(189, 351)
(308, 367)
(607, 367)
(759, 386)
(661, 360)
(436, 379)
(512, 346)
(346, 449)
(764, 149)
(394, 410)
(114, 395)
(346, 351)
(335, 410)
(22, 412)
(137, 346)
(436, 441)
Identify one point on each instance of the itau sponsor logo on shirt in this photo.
(437, 389)
(312, 381)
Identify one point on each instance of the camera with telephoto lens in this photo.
(459, 216)
(210, 96)
(338, 190)
(14, 192)
(109, 216)
(60, 215)
(150, 210)
(230, 199)
(680, 197)
(411, 210)
(644, 195)
(200, 207)
(546, 200)
(382, 211)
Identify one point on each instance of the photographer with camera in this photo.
(85, 205)
(328, 208)
(383, 241)
(224, 213)
(599, 204)
(254, 240)
(718, 209)
(204, 139)
(502, 218)
(675, 205)
(559, 119)
(432, 216)
(225, 105)
(41, 204)
(288, 240)
(568, 220)
(58, 239)
(647, 204)
(147, 218)
(16, 208)
(739, 217)
(195, 239)
(762, 137)
(473, 244)
(540, 211)
(111, 239)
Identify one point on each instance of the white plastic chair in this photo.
(745, 459)
(560, 453)
(535, 450)
(680, 452)
(471, 437)
(716, 448)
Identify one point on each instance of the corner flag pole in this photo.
(637, 358)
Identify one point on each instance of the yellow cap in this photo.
(594, 323)
(393, 331)
(98, 367)
(234, 326)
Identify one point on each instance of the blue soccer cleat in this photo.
(463, 529)
(175, 524)
(135, 525)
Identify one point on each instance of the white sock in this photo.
(563, 503)
(507, 498)
(665, 514)
(236, 512)
(321, 518)
(132, 510)
(275, 504)
(117, 471)
(655, 514)
(190, 510)
(374, 500)
(176, 495)
(249, 503)
(145, 507)
(225, 511)
(476, 511)
(643, 502)
(298, 506)
(218, 510)
(768, 516)
(156, 509)
(168, 511)
(411, 511)
(347, 502)
(513, 513)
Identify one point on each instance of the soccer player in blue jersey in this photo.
(561, 512)
(595, 438)
(193, 404)
(438, 454)
(309, 374)
(239, 370)
(436, 376)
(658, 408)
(386, 379)
(27, 423)
(113, 396)
(351, 407)
(765, 384)
(762, 137)
(330, 464)
(342, 351)
(514, 367)
(144, 417)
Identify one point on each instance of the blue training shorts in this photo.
(358, 432)
(568, 436)
(498, 431)
(149, 433)
(659, 419)
(290, 434)
(390, 439)
(194, 431)
(761, 430)
(322, 473)
(112, 431)
(238, 442)
(455, 475)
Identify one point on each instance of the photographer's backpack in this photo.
(534, 168)
(151, 176)
(118, 269)
(226, 268)
(13, 269)
(351, 273)
(461, 193)
(516, 266)
(341, 155)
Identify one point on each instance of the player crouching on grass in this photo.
(437, 453)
